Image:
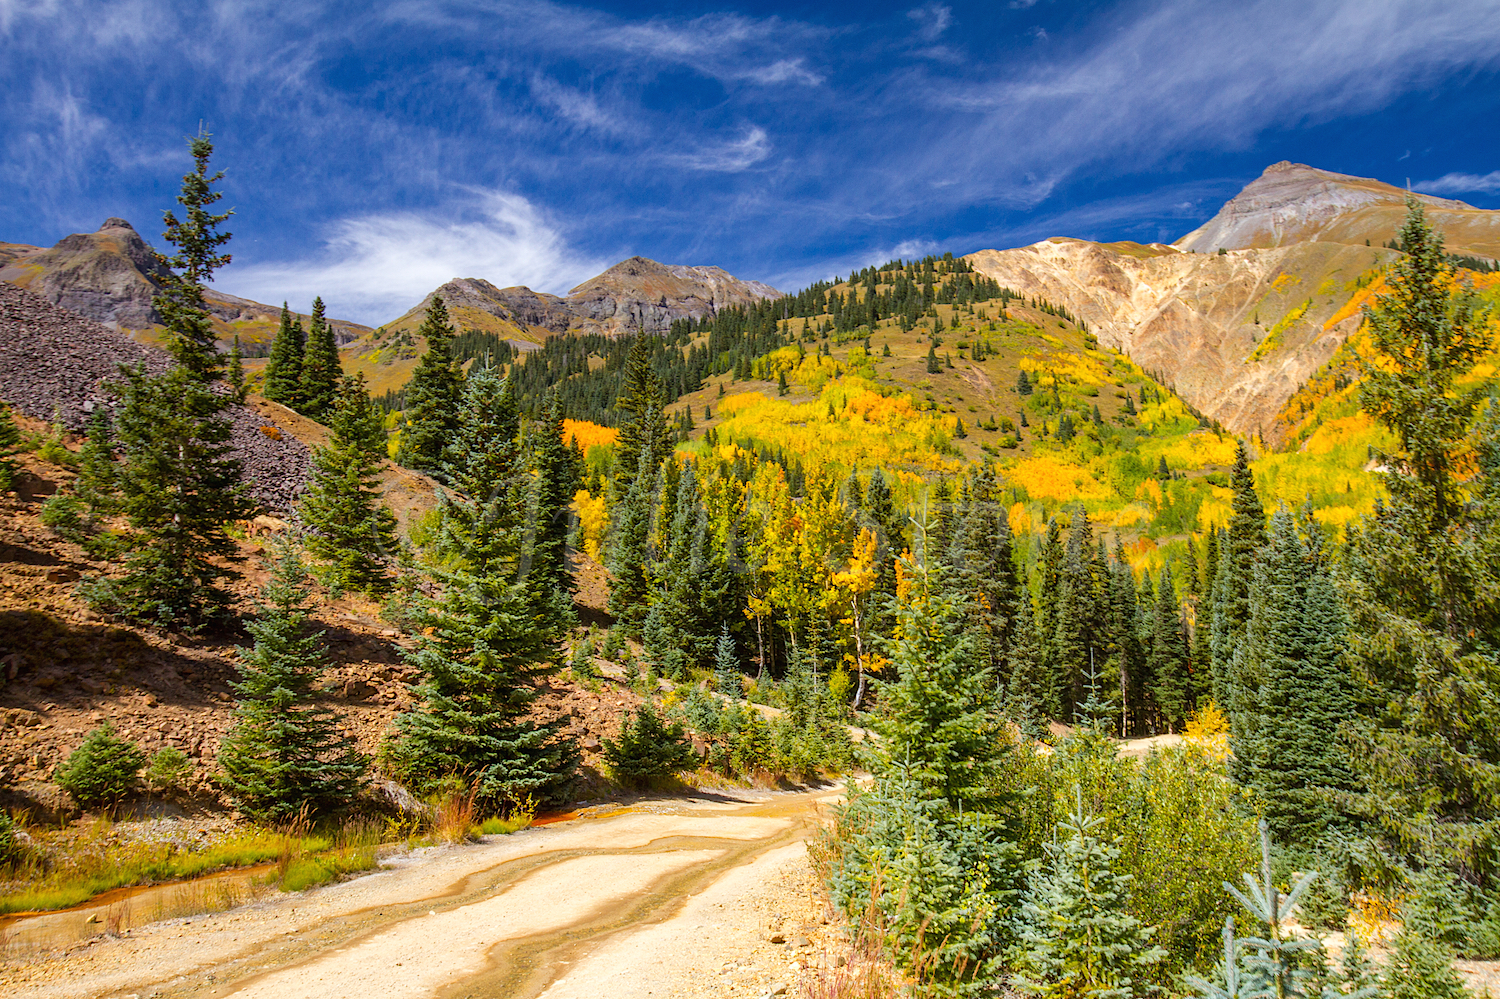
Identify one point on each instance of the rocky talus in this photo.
(56, 365)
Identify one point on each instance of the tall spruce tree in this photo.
(284, 753)
(645, 429)
(352, 530)
(1242, 541)
(488, 639)
(1172, 687)
(283, 374)
(554, 484)
(1287, 750)
(1420, 574)
(178, 481)
(236, 373)
(318, 381)
(433, 397)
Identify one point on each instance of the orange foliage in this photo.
(589, 434)
(1047, 478)
(1357, 302)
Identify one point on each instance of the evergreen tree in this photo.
(1023, 384)
(555, 482)
(433, 397)
(285, 753)
(190, 338)
(78, 512)
(1243, 538)
(727, 666)
(1080, 939)
(10, 446)
(933, 365)
(486, 642)
(1288, 750)
(1172, 689)
(939, 712)
(1420, 574)
(645, 430)
(352, 529)
(627, 553)
(648, 749)
(178, 484)
(318, 380)
(1422, 969)
(283, 374)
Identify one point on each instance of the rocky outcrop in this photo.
(56, 364)
(109, 276)
(640, 294)
(1202, 321)
(112, 275)
(1294, 203)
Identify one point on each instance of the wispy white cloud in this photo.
(733, 156)
(374, 267)
(783, 71)
(575, 105)
(932, 19)
(1462, 183)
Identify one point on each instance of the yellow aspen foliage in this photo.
(593, 521)
(587, 435)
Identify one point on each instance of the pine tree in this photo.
(79, 511)
(1420, 574)
(178, 483)
(1287, 750)
(1078, 936)
(939, 713)
(191, 339)
(487, 641)
(433, 397)
(727, 666)
(934, 366)
(285, 753)
(10, 446)
(352, 530)
(318, 380)
(648, 749)
(555, 482)
(1023, 384)
(627, 552)
(1243, 538)
(1422, 969)
(283, 375)
(645, 431)
(1171, 689)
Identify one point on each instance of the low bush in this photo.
(103, 770)
(168, 769)
(648, 749)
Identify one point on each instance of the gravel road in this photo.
(707, 896)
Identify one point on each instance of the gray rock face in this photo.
(56, 364)
(639, 294)
(109, 276)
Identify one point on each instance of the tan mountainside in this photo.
(1293, 203)
(1238, 333)
(111, 275)
(1235, 334)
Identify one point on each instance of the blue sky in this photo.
(376, 149)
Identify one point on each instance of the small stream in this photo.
(120, 909)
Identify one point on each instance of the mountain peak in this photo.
(1293, 202)
(116, 223)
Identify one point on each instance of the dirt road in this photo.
(663, 899)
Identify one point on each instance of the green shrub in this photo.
(648, 749)
(101, 770)
(614, 641)
(168, 769)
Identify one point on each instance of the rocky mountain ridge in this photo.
(1238, 332)
(110, 276)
